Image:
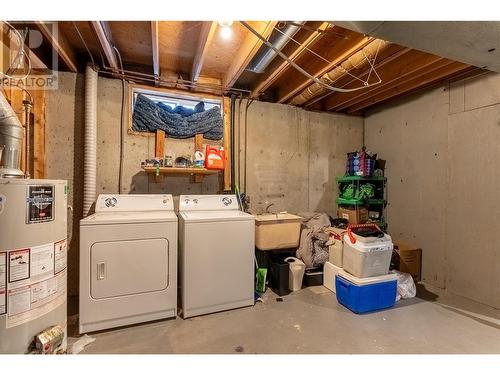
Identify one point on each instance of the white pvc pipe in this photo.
(90, 142)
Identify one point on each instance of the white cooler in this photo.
(330, 270)
(366, 256)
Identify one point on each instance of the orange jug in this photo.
(214, 158)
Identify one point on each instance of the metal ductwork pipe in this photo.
(90, 140)
(279, 39)
(357, 61)
(11, 141)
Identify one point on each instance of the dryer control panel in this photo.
(134, 202)
(208, 202)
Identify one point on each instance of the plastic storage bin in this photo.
(335, 251)
(330, 270)
(367, 294)
(313, 276)
(295, 273)
(277, 231)
(366, 256)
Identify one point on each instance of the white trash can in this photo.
(296, 274)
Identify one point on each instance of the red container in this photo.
(214, 158)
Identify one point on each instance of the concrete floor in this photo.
(311, 321)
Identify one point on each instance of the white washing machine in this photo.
(216, 254)
(128, 261)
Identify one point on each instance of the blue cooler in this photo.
(361, 295)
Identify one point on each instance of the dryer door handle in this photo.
(101, 271)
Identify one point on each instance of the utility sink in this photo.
(277, 231)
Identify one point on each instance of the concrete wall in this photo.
(64, 137)
(137, 148)
(293, 155)
(64, 154)
(442, 147)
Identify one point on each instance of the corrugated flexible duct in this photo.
(279, 38)
(90, 141)
(357, 61)
(11, 140)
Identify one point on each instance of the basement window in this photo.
(179, 115)
(174, 100)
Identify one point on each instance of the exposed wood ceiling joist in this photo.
(206, 34)
(155, 48)
(352, 82)
(7, 43)
(195, 50)
(414, 62)
(272, 76)
(305, 82)
(363, 59)
(472, 42)
(102, 31)
(405, 86)
(60, 45)
(246, 52)
(177, 45)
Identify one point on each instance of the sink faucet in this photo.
(269, 206)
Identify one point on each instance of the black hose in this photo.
(122, 138)
(233, 166)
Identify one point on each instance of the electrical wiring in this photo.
(19, 56)
(238, 153)
(165, 83)
(122, 135)
(83, 41)
(247, 105)
(122, 122)
(316, 54)
(122, 117)
(300, 69)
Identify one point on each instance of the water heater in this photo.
(33, 259)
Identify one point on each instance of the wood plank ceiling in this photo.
(196, 51)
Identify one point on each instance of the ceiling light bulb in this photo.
(226, 32)
(225, 23)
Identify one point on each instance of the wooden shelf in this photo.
(197, 173)
(175, 170)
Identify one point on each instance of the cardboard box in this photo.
(355, 216)
(410, 259)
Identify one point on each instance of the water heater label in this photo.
(19, 265)
(3, 302)
(25, 299)
(42, 262)
(40, 204)
(60, 255)
(3, 283)
(30, 302)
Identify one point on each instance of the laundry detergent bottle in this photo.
(214, 158)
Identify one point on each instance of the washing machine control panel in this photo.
(134, 202)
(207, 202)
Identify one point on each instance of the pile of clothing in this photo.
(313, 250)
(178, 122)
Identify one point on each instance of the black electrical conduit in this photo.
(233, 166)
